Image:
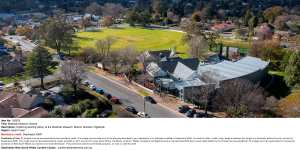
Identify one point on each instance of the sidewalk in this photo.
(167, 101)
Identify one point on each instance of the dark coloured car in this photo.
(199, 115)
(190, 113)
(150, 100)
(105, 114)
(107, 95)
(183, 108)
(131, 109)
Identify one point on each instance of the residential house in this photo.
(223, 27)
(10, 66)
(17, 105)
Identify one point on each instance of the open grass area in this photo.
(140, 38)
(234, 43)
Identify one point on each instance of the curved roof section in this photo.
(229, 70)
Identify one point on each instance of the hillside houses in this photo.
(177, 75)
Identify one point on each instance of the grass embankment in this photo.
(140, 38)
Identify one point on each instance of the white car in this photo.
(92, 87)
(142, 115)
(86, 83)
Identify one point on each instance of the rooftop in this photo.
(226, 70)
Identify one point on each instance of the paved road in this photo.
(129, 98)
(25, 45)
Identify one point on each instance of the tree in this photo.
(87, 55)
(129, 57)
(271, 13)
(145, 18)
(196, 16)
(72, 72)
(292, 70)
(239, 98)
(38, 64)
(56, 33)
(113, 10)
(103, 47)
(24, 31)
(94, 9)
(289, 106)
(107, 21)
(198, 46)
(269, 50)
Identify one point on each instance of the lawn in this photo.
(140, 38)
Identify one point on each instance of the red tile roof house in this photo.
(17, 105)
(222, 27)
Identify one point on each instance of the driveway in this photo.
(130, 98)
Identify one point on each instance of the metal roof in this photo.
(228, 70)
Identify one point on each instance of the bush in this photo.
(48, 104)
(91, 113)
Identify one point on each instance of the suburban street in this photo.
(129, 98)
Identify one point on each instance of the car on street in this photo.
(92, 87)
(131, 109)
(1, 83)
(143, 115)
(115, 100)
(99, 90)
(107, 95)
(190, 113)
(105, 114)
(183, 108)
(1, 88)
(86, 83)
(149, 99)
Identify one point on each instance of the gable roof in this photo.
(182, 72)
(170, 64)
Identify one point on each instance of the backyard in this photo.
(140, 38)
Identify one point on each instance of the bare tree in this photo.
(239, 98)
(113, 10)
(72, 73)
(103, 47)
(87, 55)
(115, 59)
(129, 59)
(198, 46)
(94, 9)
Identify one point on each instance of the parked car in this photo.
(150, 100)
(143, 115)
(99, 90)
(183, 108)
(107, 95)
(131, 109)
(115, 100)
(190, 113)
(1, 88)
(86, 83)
(92, 87)
(105, 114)
(1, 83)
(199, 115)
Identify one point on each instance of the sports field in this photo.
(140, 38)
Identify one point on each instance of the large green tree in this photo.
(57, 34)
(292, 70)
(39, 64)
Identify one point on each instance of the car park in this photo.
(131, 109)
(183, 108)
(99, 90)
(150, 100)
(190, 113)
